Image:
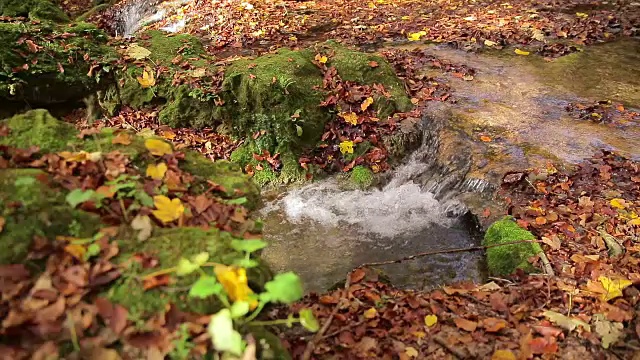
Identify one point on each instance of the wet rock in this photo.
(504, 260)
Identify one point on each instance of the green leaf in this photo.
(144, 198)
(248, 245)
(205, 286)
(92, 250)
(223, 336)
(299, 130)
(201, 258)
(239, 308)
(308, 320)
(78, 196)
(285, 288)
(238, 201)
(246, 263)
(137, 52)
(186, 267)
(24, 181)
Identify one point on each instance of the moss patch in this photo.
(38, 128)
(42, 211)
(169, 245)
(33, 10)
(503, 260)
(361, 177)
(42, 82)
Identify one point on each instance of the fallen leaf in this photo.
(156, 172)
(2, 222)
(137, 52)
(521, 52)
(485, 138)
(321, 59)
(565, 321)
(122, 138)
(371, 313)
(503, 355)
(350, 117)
(465, 324)
(167, 210)
(142, 223)
(346, 147)
(618, 203)
(411, 352)
(416, 36)
(430, 320)
(610, 332)
(365, 104)
(490, 43)
(158, 147)
(493, 325)
(613, 288)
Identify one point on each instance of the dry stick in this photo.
(344, 298)
(459, 353)
(447, 251)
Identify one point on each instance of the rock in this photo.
(361, 177)
(33, 10)
(504, 260)
(44, 64)
(248, 96)
(39, 128)
(30, 207)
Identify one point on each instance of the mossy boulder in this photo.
(32, 10)
(168, 246)
(504, 260)
(39, 128)
(44, 64)
(30, 207)
(361, 177)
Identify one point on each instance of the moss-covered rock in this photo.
(32, 10)
(30, 207)
(361, 177)
(503, 260)
(39, 128)
(44, 64)
(169, 245)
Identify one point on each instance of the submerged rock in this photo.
(504, 260)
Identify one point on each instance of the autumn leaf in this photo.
(146, 80)
(122, 138)
(521, 52)
(156, 172)
(158, 147)
(321, 59)
(490, 43)
(618, 203)
(371, 313)
(485, 138)
(365, 104)
(346, 147)
(430, 320)
(137, 52)
(167, 210)
(465, 324)
(142, 223)
(566, 322)
(411, 352)
(2, 222)
(503, 355)
(416, 36)
(609, 331)
(76, 250)
(235, 283)
(613, 288)
(350, 117)
(582, 15)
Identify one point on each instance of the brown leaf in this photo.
(357, 275)
(52, 312)
(465, 324)
(493, 324)
(118, 320)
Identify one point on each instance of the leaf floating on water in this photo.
(521, 52)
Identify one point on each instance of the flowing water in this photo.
(322, 232)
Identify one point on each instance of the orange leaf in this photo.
(465, 324)
(122, 138)
(106, 191)
(2, 222)
(541, 220)
(485, 138)
(493, 324)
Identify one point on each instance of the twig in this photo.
(546, 264)
(344, 298)
(459, 353)
(447, 251)
(344, 328)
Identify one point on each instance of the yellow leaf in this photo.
(365, 104)
(235, 284)
(521, 52)
(582, 15)
(618, 203)
(503, 355)
(411, 352)
(76, 250)
(122, 138)
(416, 36)
(81, 156)
(167, 210)
(612, 287)
(146, 80)
(156, 172)
(321, 59)
(346, 147)
(350, 117)
(158, 147)
(635, 222)
(371, 313)
(430, 320)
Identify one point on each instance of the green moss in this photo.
(43, 82)
(33, 10)
(42, 211)
(503, 260)
(361, 177)
(169, 245)
(38, 128)
(265, 176)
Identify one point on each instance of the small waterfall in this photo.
(323, 231)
